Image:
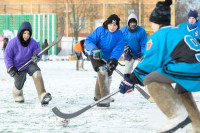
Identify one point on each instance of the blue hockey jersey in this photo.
(174, 54)
(136, 41)
(111, 44)
(193, 32)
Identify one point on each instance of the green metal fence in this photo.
(44, 26)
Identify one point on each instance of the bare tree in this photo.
(182, 9)
(79, 16)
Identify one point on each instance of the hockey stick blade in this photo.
(58, 113)
(121, 64)
(144, 94)
(52, 44)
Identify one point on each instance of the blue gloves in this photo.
(126, 85)
(97, 54)
(35, 58)
(112, 64)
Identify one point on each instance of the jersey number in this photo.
(193, 45)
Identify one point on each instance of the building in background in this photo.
(81, 17)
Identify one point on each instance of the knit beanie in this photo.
(132, 18)
(193, 13)
(112, 19)
(162, 13)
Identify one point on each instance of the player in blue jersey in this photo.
(192, 24)
(171, 56)
(135, 41)
(106, 41)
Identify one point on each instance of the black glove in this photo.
(139, 56)
(127, 54)
(12, 71)
(85, 53)
(127, 50)
(35, 58)
(97, 54)
(112, 64)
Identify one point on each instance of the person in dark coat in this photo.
(5, 42)
(45, 54)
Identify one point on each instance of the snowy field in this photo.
(71, 91)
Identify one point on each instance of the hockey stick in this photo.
(52, 44)
(144, 94)
(58, 113)
(121, 64)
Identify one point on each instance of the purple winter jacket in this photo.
(17, 55)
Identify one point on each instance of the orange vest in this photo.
(78, 47)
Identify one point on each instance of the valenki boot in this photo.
(39, 84)
(18, 95)
(192, 110)
(79, 65)
(104, 87)
(97, 92)
(171, 105)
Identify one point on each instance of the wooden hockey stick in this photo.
(144, 94)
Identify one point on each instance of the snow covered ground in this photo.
(71, 91)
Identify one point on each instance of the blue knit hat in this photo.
(193, 13)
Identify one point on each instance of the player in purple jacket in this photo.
(18, 51)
